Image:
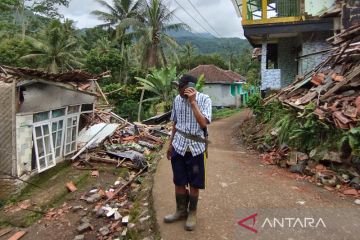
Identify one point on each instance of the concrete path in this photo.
(238, 185)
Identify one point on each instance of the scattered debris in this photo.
(17, 235)
(5, 231)
(357, 201)
(84, 227)
(71, 186)
(333, 86)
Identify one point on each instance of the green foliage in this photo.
(214, 59)
(255, 103)
(56, 49)
(352, 138)
(159, 82)
(200, 83)
(98, 62)
(224, 113)
(11, 49)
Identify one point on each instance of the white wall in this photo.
(220, 95)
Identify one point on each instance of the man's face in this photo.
(181, 90)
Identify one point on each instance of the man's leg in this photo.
(197, 181)
(181, 193)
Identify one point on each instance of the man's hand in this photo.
(191, 94)
(169, 151)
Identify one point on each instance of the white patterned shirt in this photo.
(185, 121)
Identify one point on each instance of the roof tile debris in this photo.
(334, 84)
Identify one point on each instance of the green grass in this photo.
(224, 113)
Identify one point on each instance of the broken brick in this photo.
(17, 235)
(71, 186)
(351, 191)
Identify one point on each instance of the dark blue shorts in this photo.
(189, 170)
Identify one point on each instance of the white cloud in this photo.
(219, 13)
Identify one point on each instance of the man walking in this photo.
(187, 150)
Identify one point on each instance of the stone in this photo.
(84, 227)
(355, 183)
(298, 168)
(327, 179)
(357, 201)
(104, 231)
(85, 220)
(131, 225)
(93, 198)
(77, 208)
(124, 232)
(142, 220)
(79, 237)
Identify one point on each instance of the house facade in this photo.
(225, 88)
(290, 33)
(41, 117)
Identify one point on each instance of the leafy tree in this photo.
(152, 35)
(159, 82)
(187, 51)
(214, 59)
(11, 50)
(117, 12)
(56, 49)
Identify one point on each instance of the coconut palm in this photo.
(56, 49)
(188, 51)
(117, 12)
(152, 36)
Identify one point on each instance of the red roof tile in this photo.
(214, 74)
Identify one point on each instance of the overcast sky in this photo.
(220, 14)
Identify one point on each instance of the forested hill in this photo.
(207, 44)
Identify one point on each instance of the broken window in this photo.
(57, 129)
(71, 134)
(43, 147)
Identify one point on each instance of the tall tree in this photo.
(117, 12)
(56, 49)
(152, 35)
(187, 51)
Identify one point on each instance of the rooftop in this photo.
(214, 74)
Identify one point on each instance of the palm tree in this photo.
(152, 36)
(117, 12)
(56, 50)
(188, 51)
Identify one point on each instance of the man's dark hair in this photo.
(186, 79)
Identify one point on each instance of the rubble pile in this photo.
(109, 139)
(334, 85)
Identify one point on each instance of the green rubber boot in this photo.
(191, 219)
(182, 202)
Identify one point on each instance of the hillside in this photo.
(206, 44)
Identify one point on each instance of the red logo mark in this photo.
(253, 217)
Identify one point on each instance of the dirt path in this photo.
(237, 183)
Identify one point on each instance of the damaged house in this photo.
(41, 115)
(291, 34)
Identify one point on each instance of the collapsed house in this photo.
(291, 35)
(42, 114)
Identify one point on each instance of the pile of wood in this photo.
(334, 85)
